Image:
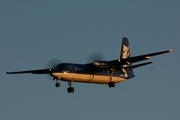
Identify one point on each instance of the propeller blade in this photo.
(94, 57)
(53, 62)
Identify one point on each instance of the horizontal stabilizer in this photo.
(136, 66)
(145, 57)
(134, 59)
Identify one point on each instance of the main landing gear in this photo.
(111, 83)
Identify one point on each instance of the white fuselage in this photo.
(87, 78)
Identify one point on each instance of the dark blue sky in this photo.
(33, 32)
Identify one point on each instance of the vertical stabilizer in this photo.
(125, 53)
(125, 49)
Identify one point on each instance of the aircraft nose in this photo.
(54, 72)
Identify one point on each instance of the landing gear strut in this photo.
(70, 89)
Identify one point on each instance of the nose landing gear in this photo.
(57, 84)
(70, 89)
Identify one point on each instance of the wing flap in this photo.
(40, 71)
(136, 66)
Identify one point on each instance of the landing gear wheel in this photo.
(111, 84)
(70, 89)
(57, 84)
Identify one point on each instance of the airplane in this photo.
(98, 71)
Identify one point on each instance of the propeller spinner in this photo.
(51, 64)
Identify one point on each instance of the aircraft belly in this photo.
(88, 78)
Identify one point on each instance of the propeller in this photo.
(94, 57)
(51, 64)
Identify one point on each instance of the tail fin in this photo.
(125, 49)
(125, 53)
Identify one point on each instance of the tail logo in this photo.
(126, 51)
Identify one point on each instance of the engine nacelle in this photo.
(101, 64)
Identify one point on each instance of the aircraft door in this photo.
(72, 69)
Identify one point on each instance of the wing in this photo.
(130, 60)
(40, 71)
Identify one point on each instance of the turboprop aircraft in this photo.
(98, 71)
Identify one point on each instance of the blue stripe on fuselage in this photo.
(87, 69)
